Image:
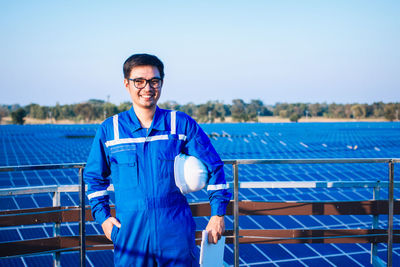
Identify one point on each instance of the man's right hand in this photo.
(108, 224)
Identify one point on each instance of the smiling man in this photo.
(153, 224)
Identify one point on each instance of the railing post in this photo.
(56, 228)
(390, 215)
(82, 231)
(236, 211)
(375, 225)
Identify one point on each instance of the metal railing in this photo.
(390, 162)
(56, 190)
(56, 199)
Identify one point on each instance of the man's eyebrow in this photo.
(155, 77)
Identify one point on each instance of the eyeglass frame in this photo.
(147, 82)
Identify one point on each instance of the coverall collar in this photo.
(158, 122)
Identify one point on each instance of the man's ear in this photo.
(126, 84)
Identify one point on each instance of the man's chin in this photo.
(148, 105)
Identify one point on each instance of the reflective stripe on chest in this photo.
(118, 141)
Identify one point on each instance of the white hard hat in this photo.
(190, 173)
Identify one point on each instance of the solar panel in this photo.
(50, 144)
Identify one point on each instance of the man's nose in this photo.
(147, 87)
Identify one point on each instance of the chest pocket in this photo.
(166, 157)
(124, 166)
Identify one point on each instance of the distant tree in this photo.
(36, 111)
(173, 105)
(254, 109)
(300, 108)
(227, 109)
(109, 110)
(390, 112)
(283, 113)
(294, 117)
(96, 109)
(358, 111)
(18, 116)
(316, 110)
(202, 113)
(284, 107)
(189, 109)
(238, 110)
(218, 110)
(124, 106)
(266, 111)
(3, 112)
(348, 113)
(335, 111)
(85, 111)
(14, 107)
(28, 109)
(99, 110)
(369, 110)
(56, 111)
(67, 112)
(285, 110)
(325, 107)
(378, 109)
(96, 101)
(209, 111)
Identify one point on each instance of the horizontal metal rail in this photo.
(314, 184)
(43, 189)
(12, 218)
(38, 189)
(249, 185)
(246, 236)
(42, 167)
(311, 161)
(226, 161)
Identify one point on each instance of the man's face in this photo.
(148, 96)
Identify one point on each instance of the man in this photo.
(153, 224)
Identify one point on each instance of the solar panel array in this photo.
(47, 144)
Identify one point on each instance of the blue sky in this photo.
(276, 51)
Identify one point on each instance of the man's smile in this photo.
(147, 96)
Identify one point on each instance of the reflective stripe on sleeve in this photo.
(173, 122)
(216, 187)
(115, 123)
(98, 194)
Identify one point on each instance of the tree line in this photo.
(239, 110)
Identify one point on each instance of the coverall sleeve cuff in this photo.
(101, 217)
(219, 208)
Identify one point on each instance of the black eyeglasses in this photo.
(141, 83)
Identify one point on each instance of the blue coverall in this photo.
(157, 227)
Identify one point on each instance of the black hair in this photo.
(142, 60)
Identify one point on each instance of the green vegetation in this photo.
(4, 112)
(18, 116)
(294, 117)
(239, 110)
(390, 111)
